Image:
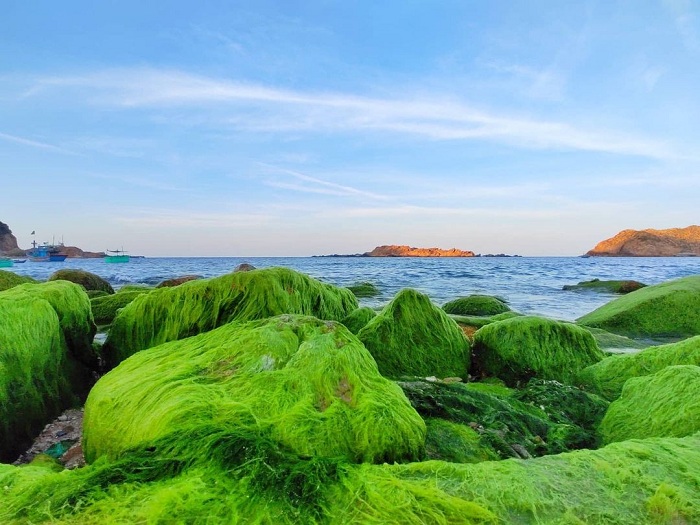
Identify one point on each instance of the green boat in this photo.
(5, 262)
(117, 256)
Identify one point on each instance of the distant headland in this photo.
(673, 242)
(409, 251)
(9, 246)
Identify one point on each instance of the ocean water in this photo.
(531, 285)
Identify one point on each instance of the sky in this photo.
(297, 128)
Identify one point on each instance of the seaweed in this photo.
(308, 384)
(670, 310)
(608, 376)
(618, 287)
(105, 308)
(614, 343)
(506, 425)
(517, 349)
(10, 280)
(168, 314)
(664, 404)
(476, 305)
(88, 280)
(358, 319)
(364, 289)
(412, 336)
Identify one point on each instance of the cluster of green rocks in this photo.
(266, 396)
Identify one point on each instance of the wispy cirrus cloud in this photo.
(35, 144)
(259, 108)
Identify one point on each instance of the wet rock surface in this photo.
(60, 439)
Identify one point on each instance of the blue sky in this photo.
(297, 128)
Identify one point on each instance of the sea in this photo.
(531, 285)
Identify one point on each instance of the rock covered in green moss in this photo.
(667, 310)
(10, 279)
(364, 289)
(168, 314)
(87, 280)
(620, 287)
(306, 384)
(506, 426)
(412, 336)
(358, 319)
(607, 377)
(626, 483)
(177, 281)
(664, 404)
(456, 443)
(614, 343)
(42, 330)
(105, 308)
(476, 305)
(520, 348)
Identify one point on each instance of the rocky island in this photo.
(409, 251)
(651, 243)
(9, 247)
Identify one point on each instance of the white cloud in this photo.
(35, 144)
(260, 108)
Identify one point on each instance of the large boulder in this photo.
(664, 404)
(596, 285)
(517, 349)
(171, 313)
(43, 334)
(411, 336)
(105, 307)
(308, 385)
(670, 309)
(11, 279)
(608, 376)
(88, 280)
(476, 305)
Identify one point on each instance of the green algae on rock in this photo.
(607, 377)
(619, 287)
(308, 384)
(614, 343)
(87, 280)
(507, 426)
(364, 289)
(45, 331)
(667, 310)
(412, 336)
(11, 279)
(627, 483)
(168, 314)
(105, 308)
(517, 349)
(664, 404)
(358, 319)
(476, 305)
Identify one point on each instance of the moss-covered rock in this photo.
(42, 331)
(96, 293)
(596, 285)
(607, 377)
(168, 314)
(614, 343)
(412, 336)
(506, 426)
(358, 319)
(105, 308)
(364, 289)
(664, 404)
(87, 280)
(308, 385)
(517, 349)
(177, 281)
(10, 279)
(627, 483)
(667, 310)
(456, 443)
(476, 305)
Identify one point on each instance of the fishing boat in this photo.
(5, 262)
(46, 252)
(117, 256)
(19, 261)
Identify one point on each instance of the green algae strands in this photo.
(476, 305)
(87, 280)
(168, 314)
(652, 481)
(412, 336)
(105, 307)
(45, 341)
(11, 279)
(607, 377)
(520, 348)
(664, 404)
(667, 310)
(308, 385)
